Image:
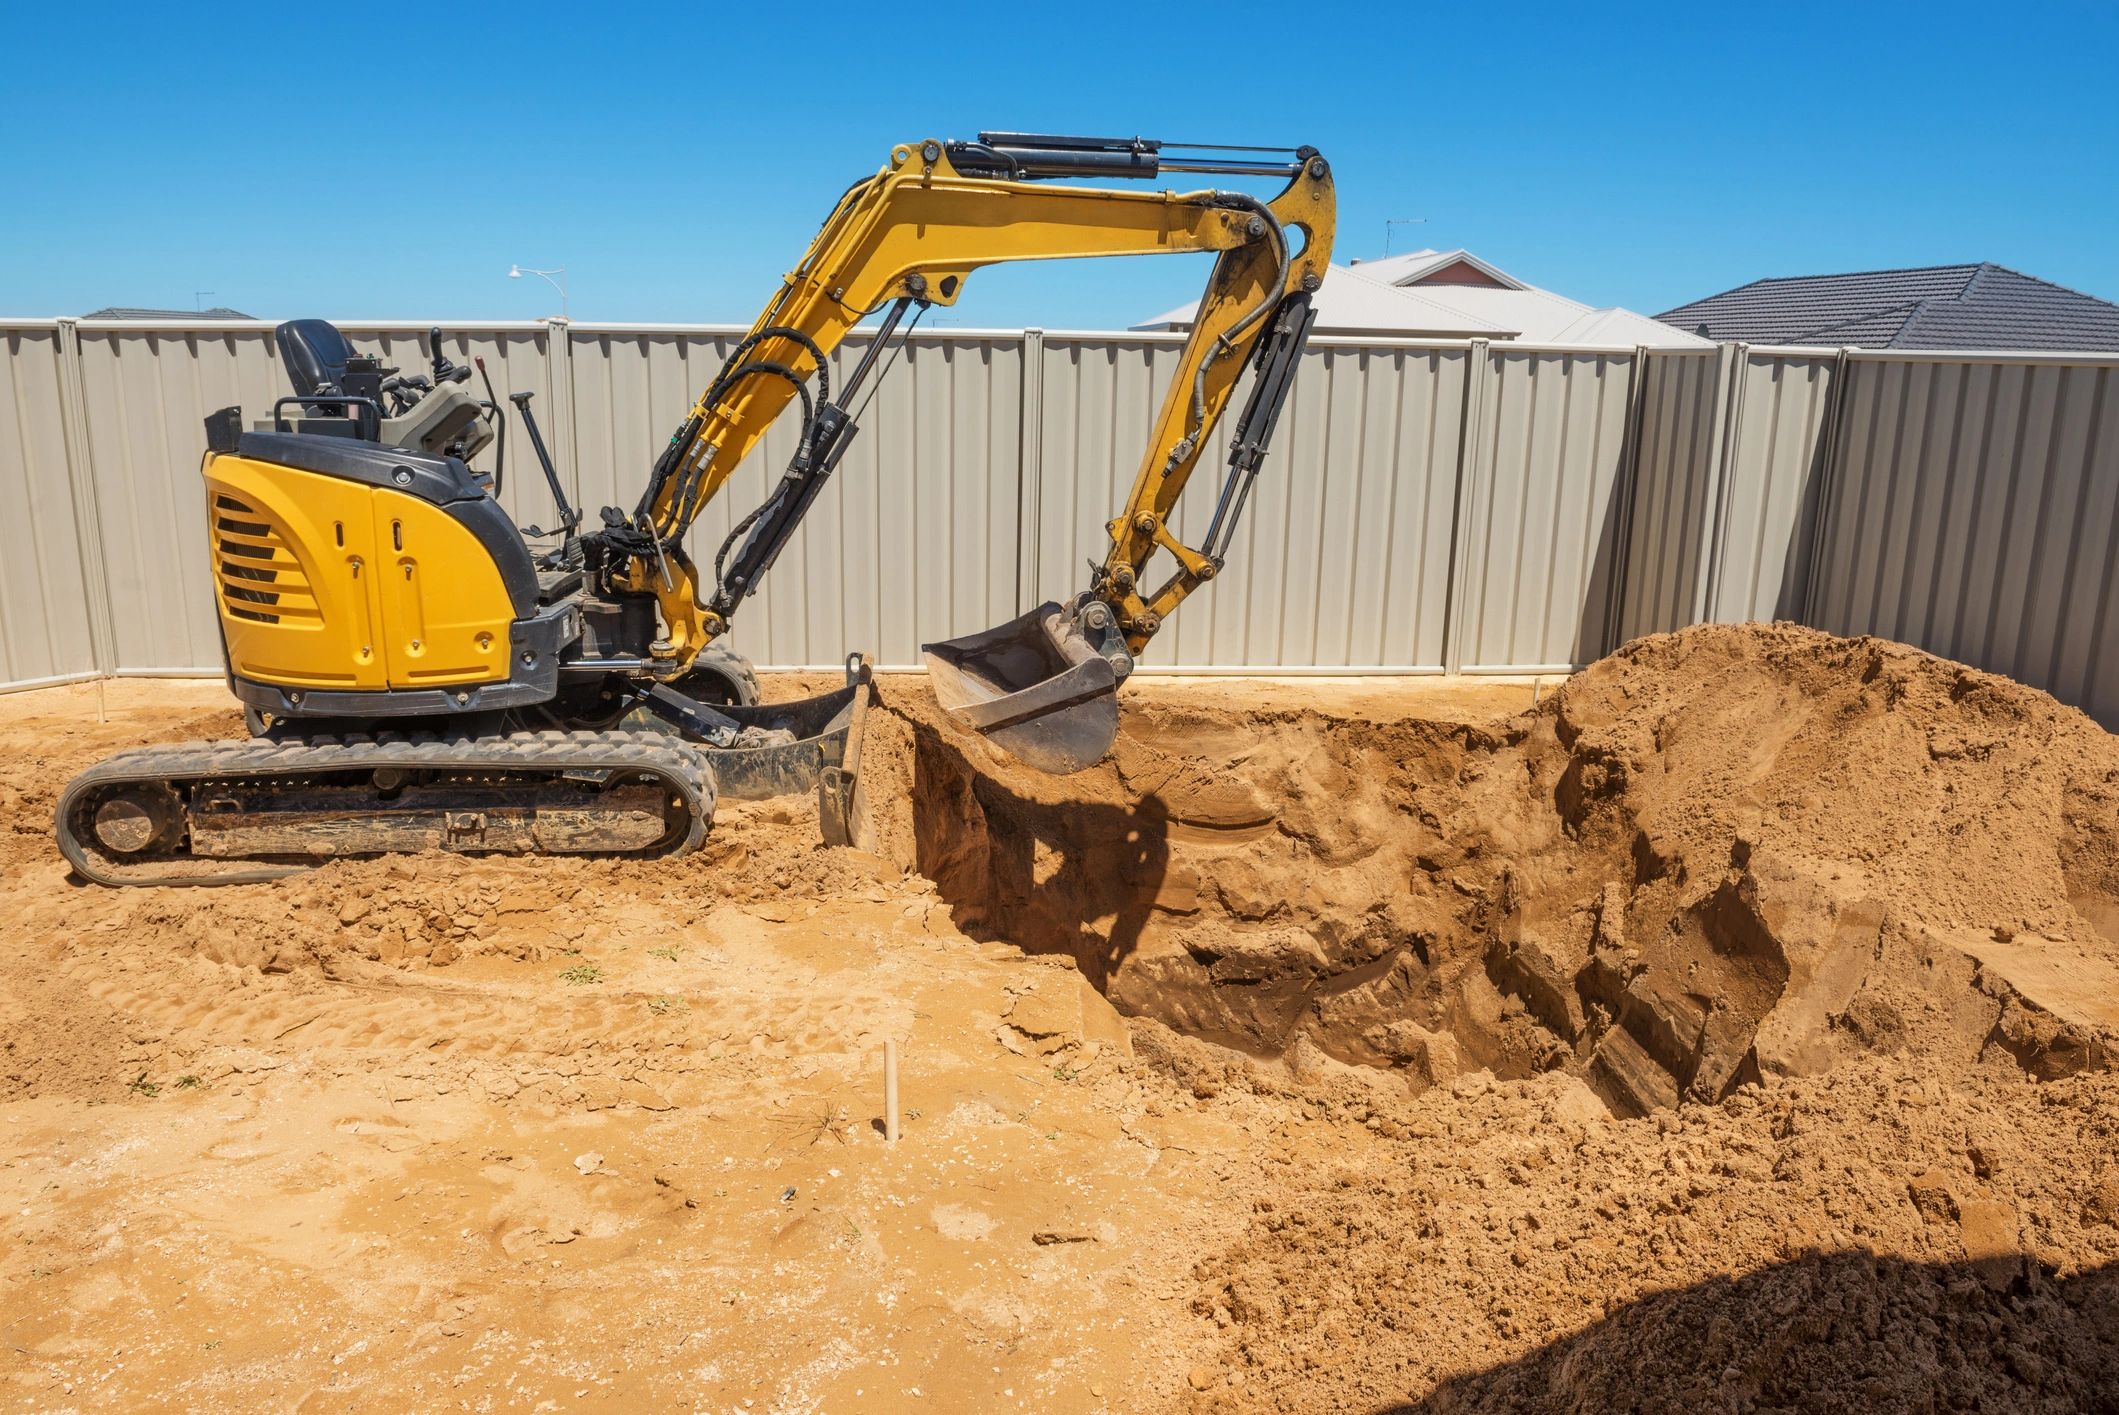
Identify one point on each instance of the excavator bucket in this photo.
(1035, 686)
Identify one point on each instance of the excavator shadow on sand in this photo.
(419, 673)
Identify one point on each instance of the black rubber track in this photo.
(683, 769)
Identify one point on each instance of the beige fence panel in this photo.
(1491, 508)
(1971, 510)
(45, 630)
(1341, 562)
(1383, 476)
(1544, 515)
(914, 539)
(1772, 476)
(148, 391)
(1677, 429)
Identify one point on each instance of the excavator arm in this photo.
(907, 239)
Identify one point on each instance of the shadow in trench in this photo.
(1828, 1332)
(1076, 876)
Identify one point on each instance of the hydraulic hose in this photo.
(730, 372)
(1241, 201)
(681, 522)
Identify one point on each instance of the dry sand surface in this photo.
(1731, 1031)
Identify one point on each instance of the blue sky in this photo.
(676, 159)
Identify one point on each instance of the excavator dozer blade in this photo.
(1034, 686)
(807, 745)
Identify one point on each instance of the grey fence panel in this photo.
(1773, 470)
(1341, 561)
(44, 620)
(915, 538)
(1971, 511)
(1673, 496)
(1545, 518)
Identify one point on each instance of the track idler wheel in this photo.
(136, 819)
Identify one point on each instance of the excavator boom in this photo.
(907, 239)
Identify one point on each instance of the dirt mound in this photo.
(1878, 1241)
(1719, 854)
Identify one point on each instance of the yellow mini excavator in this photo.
(420, 674)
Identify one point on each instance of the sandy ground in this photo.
(1730, 1031)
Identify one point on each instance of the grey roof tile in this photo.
(1935, 307)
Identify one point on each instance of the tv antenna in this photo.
(1399, 221)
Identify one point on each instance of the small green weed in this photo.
(582, 973)
(187, 1083)
(143, 1087)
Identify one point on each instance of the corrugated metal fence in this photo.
(1429, 507)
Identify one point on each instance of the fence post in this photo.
(1030, 469)
(81, 483)
(1478, 370)
(1628, 482)
(1820, 518)
(1721, 450)
(559, 377)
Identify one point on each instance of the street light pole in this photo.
(516, 272)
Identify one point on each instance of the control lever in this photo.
(568, 516)
(445, 371)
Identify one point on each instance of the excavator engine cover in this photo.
(1035, 685)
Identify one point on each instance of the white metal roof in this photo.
(1374, 297)
(1412, 266)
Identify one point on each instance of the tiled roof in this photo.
(1936, 307)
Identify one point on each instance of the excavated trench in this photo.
(1717, 855)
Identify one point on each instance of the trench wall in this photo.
(1428, 507)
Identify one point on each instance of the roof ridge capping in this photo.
(1964, 265)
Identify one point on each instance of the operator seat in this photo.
(314, 352)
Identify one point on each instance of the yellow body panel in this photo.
(329, 583)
